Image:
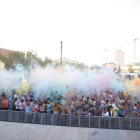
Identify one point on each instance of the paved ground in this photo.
(24, 131)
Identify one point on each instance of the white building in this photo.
(119, 56)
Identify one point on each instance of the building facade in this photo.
(119, 57)
(5, 52)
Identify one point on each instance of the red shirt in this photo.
(5, 103)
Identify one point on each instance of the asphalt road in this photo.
(25, 131)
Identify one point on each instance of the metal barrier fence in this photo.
(71, 120)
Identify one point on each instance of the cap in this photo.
(111, 100)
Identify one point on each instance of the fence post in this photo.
(109, 122)
(79, 121)
(34, 118)
(119, 124)
(9, 116)
(139, 124)
(52, 119)
(2, 115)
(89, 121)
(70, 120)
(17, 116)
(41, 117)
(65, 119)
(99, 121)
(57, 119)
(25, 116)
(130, 123)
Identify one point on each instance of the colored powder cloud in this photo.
(62, 79)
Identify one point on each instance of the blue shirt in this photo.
(122, 112)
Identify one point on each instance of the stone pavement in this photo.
(25, 131)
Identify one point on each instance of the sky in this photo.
(86, 27)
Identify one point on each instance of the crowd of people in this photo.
(107, 104)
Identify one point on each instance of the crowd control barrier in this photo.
(71, 120)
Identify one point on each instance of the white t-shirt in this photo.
(36, 106)
(15, 96)
(113, 105)
(107, 114)
(94, 103)
(135, 109)
(16, 104)
(20, 106)
(69, 111)
(103, 101)
(114, 108)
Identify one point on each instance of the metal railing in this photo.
(71, 120)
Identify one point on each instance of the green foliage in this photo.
(77, 65)
(2, 58)
(130, 68)
(13, 58)
(139, 69)
(31, 60)
(119, 68)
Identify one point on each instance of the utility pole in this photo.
(61, 52)
(135, 50)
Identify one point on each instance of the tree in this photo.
(47, 61)
(139, 69)
(2, 57)
(31, 60)
(81, 66)
(12, 59)
(119, 68)
(130, 68)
